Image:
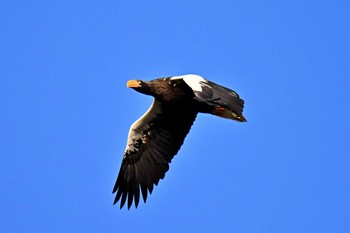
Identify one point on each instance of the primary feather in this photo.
(157, 136)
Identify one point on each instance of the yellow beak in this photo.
(133, 83)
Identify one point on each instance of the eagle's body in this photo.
(157, 136)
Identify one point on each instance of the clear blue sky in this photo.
(66, 111)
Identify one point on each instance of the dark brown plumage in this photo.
(157, 136)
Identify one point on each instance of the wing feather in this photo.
(214, 98)
(153, 141)
(218, 95)
(215, 95)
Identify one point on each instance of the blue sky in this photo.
(66, 111)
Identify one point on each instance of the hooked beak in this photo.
(133, 84)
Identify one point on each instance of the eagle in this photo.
(156, 137)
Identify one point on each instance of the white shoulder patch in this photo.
(140, 125)
(192, 80)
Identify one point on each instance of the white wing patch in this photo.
(140, 125)
(192, 80)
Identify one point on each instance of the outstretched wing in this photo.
(153, 141)
(226, 102)
(218, 100)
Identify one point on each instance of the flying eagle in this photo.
(157, 136)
